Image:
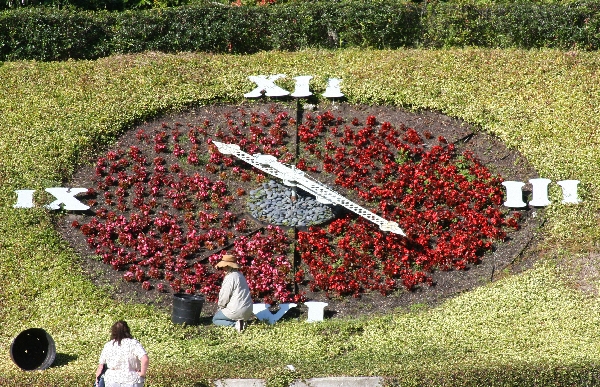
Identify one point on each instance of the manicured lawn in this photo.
(532, 326)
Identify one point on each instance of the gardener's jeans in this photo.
(221, 319)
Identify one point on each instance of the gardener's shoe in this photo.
(240, 325)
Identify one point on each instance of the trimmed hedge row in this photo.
(506, 375)
(53, 34)
(49, 34)
(94, 5)
(527, 25)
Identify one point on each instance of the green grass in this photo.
(520, 329)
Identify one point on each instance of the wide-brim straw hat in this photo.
(228, 260)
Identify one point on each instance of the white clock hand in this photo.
(294, 177)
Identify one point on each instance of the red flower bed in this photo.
(168, 207)
(448, 205)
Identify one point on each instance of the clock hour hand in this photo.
(294, 177)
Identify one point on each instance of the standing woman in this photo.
(125, 358)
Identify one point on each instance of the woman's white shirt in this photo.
(123, 361)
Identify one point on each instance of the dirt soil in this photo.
(506, 257)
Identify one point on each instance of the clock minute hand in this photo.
(294, 177)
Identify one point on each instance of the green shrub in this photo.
(525, 25)
(48, 34)
(95, 5)
(506, 375)
(58, 34)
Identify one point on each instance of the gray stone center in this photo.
(272, 204)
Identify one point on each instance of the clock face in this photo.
(166, 204)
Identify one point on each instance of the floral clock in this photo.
(167, 204)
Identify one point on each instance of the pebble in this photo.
(272, 204)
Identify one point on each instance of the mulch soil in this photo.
(508, 256)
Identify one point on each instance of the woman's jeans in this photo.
(221, 319)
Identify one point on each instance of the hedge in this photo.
(526, 25)
(95, 5)
(58, 34)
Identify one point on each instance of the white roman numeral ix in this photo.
(65, 196)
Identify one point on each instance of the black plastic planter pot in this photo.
(33, 349)
(187, 308)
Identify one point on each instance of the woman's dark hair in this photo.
(120, 331)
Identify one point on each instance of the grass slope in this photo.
(524, 328)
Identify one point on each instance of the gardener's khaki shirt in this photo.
(234, 297)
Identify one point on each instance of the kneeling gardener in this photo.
(235, 302)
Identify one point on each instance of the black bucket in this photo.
(187, 308)
(33, 349)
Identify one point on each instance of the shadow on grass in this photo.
(62, 359)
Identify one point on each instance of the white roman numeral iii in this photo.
(514, 193)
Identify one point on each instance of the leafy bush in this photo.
(507, 375)
(525, 25)
(59, 34)
(95, 5)
(48, 34)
